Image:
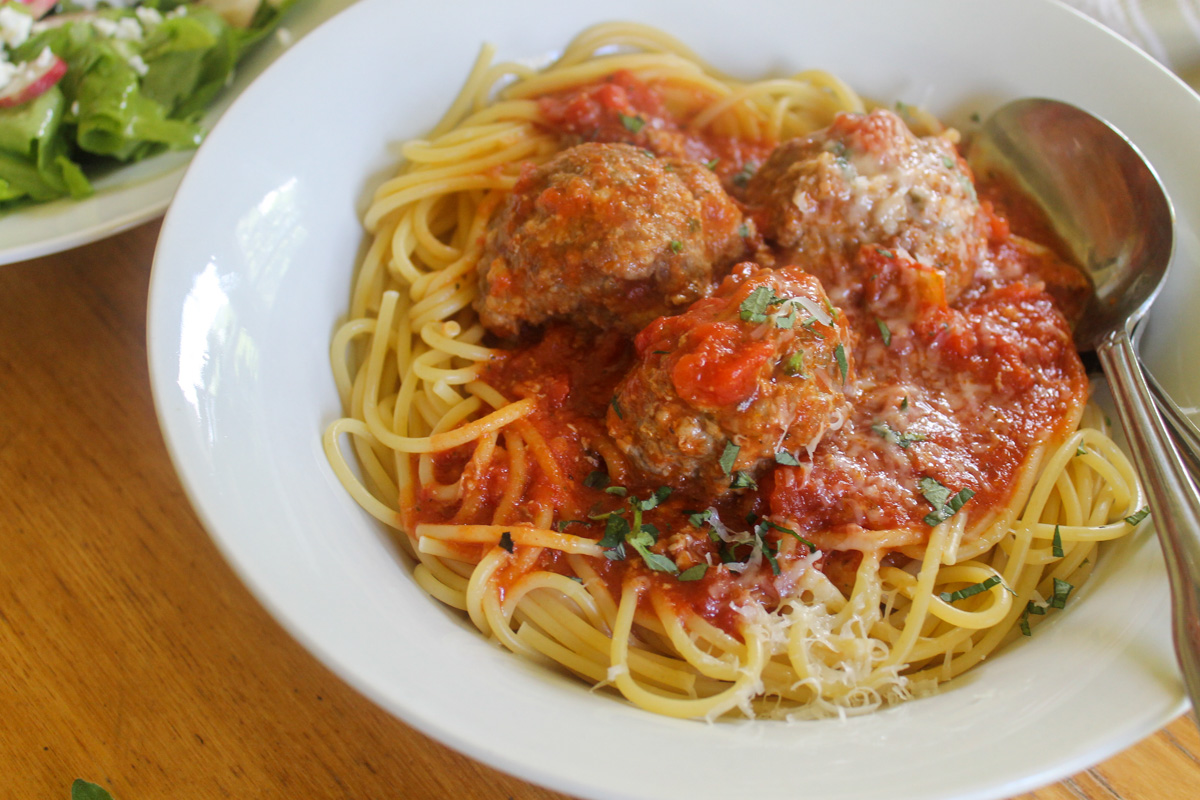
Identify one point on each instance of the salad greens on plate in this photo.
(95, 83)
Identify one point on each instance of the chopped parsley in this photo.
(506, 541)
(616, 407)
(676, 246)
(619, 491)
(1081, 451)
(1138, 516)
(904, 403)
(729, 457)
(1030, 608)
(885, 253)
(885, 332)
(712, 164)
(620, 532)
(1056, 548)
(945, 502)
(795, 365)
(1062, 590)
(969, 591)
(787, 459)
(632, 124)
(694, 573)
(743, 230)
(596, 479)
(744, 175)
(839, 353)
(754, 308)
(698, 518)
(562, 524)
(893, 436)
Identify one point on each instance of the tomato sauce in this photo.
(957, 392)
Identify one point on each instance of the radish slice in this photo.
(32, 79)
(40, 7)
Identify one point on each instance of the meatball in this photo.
(753, 374)
(866, 179)
(606, 235)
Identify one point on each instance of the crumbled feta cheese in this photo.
(7, 71)
(126, 28)
(149, 17)
(14, 26)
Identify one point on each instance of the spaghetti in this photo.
(823, 479)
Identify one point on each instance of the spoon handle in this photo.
(1174, 501)
(1184, 433)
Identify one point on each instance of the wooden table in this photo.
(131, 654)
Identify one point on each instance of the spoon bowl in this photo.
(1100, 195)
(1107, 207)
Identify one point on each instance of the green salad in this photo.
(89, 84)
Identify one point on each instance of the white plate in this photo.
(130, 195)
(253, 270)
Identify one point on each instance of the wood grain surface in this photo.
(131, 654)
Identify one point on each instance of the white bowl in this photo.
(253, 271)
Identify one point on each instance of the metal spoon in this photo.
(1106, 204)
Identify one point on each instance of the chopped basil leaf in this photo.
(904, 403)
(1081, 451)
(562, 524)
(775, 526)
(632, 124)
(86, 790)
(1138, 516)
(1062, 590)
(788, 320)
(729, 457)
(655, 561)
(885, 253)
(945, 503)
(742, 480)
(839, 353)
(884, 331)
(893, 436)
(1056, 548)
(787, 459)
(506, 541)
(743, 230)
(616, 407)
(596, 479)
(712, 164)
(1030, 608)
(694, 573)
(676, 246)
(700, 517)
(968, 591)
(619, 491)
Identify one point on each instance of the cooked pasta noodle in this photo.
(486, 487)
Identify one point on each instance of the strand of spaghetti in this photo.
(384, 206)
(570, 589)
(459, 145)
(921, 597)
(724, 668)
(648, 666)
(428, 246)
(416, 182)
(441, 305)
(444, 337)
(504, 507)
(521, 535)
(438, 589)
(628, 35)
(708, 707)
(499, 622)
(596, 587)
(472, 475)
(639, 63)
(339, 355)
(589, 668)
(345, 473)
(752, 90)
(369, 283)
